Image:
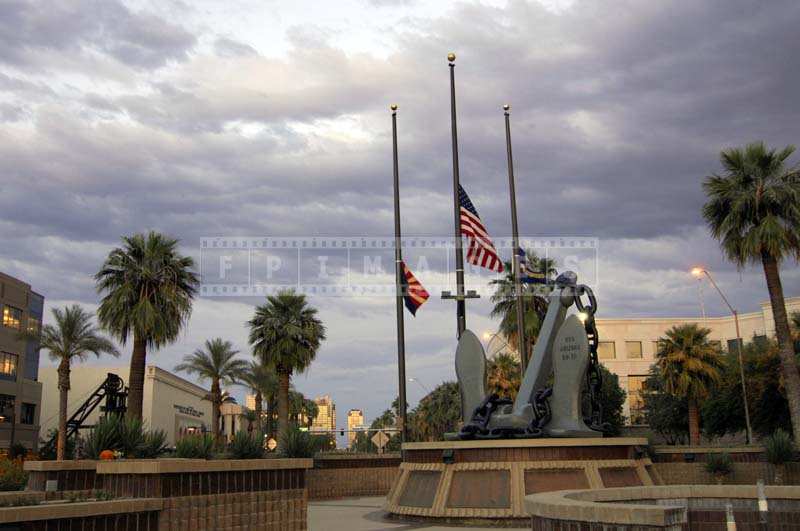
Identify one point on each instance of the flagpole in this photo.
(523, 354)
(461, 312)
(398, 269)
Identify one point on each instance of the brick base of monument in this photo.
(475, 480)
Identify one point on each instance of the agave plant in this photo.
(246, 446)
(104, 436)
(195, 447)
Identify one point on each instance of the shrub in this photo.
(131, 436)
(298, 444)
(778, 448)
(126, 436)
(246, 446)
(12, 476)
(195, 447)
(17, 451)
(104, 436)
(719, 464)
(154, 444)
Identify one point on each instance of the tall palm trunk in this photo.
(136, 383)
(216, 403)
(283, 404)
(694, 423)
(790, 377)
(259, 413)
(63, 391)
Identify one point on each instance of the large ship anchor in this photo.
(563, 371)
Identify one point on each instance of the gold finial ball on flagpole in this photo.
(393, 106)
(506, 107)
(451, 57)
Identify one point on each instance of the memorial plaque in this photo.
(420, 488)
(552, 479)
(480, 489)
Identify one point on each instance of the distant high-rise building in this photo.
(326, 416)
(355, 419)
(250, 402)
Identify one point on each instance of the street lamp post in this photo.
(489, 337)
(697, 272)
(424, 387)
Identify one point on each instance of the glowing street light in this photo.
(698, 272)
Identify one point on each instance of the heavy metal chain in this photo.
(594, 377)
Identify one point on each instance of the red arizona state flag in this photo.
(413, 292)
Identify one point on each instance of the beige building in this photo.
(326, 418)
(170, 403)
(20, 390)
(355, 419)
(232, 418)
(628, 345)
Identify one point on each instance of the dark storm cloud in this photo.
(618, 112)
(138, 39)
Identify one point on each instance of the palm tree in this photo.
(251, 417)
(285, 333)
(754, 210)
(690, 366)
(148, 290)
(263, 383)
(216, 362)
(73, 337)
(534, 304)
(503, 376)
(796, 326)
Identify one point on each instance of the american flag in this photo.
(481, 250)
(413, 292)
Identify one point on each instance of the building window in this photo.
(633, 349)
(635, 400)
(655, 348)
(12, 317)
(8, 366)
(6, 408)
(606, 350)
(28, 413)
(34, 325)
(732, 345)
(760, 341)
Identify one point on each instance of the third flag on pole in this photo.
(413, 292)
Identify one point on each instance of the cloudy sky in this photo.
(270, 119)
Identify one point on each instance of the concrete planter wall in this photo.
(344, 476)
(194, 494)
(65, 475)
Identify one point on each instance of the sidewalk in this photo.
(363, 514)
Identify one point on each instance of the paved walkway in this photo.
(361, 514)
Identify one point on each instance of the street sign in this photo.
(380, 439)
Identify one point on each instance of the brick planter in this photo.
(179, 495)
(67, 475)
(342, 475)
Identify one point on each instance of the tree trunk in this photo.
(694, 424)
(63, 392)
(216, 402)
(283, 405)
(790, 377)
(259, 413)
(136, 378)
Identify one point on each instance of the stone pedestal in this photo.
(474, 480)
